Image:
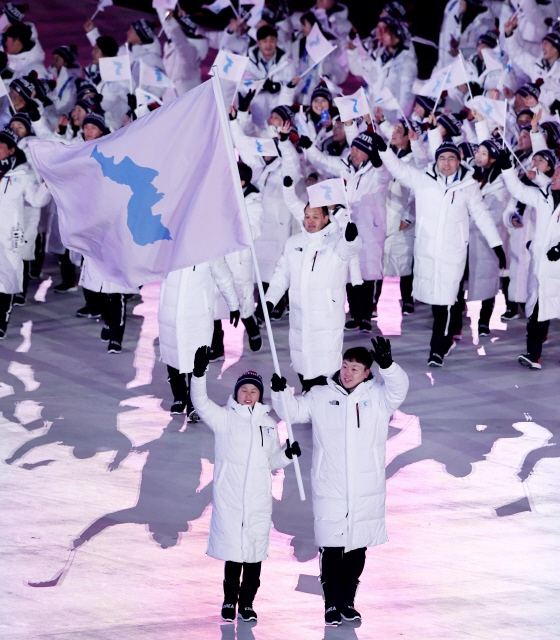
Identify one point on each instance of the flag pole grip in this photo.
(247, 228)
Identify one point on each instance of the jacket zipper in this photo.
(314, 258)
(262, 440)
(358, 413)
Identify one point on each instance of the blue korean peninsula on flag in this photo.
(155, 196)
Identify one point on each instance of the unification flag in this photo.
(153, 77)
(353, 106)
(217, 6)
(493, 59)
(493, 110)
(144, 97)
(103, 4)
(450, 76)
(327, 193)
(255, 14)
(229, 65)
(317, 46)
(114, 69)
(386, 100)
(248, 146)
(252, 85)
(155, 196)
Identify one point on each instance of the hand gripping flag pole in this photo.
(241, 201)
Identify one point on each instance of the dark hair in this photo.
(309, 17)
(360, 355)
(325, 210)
(245, 172)
(21, 32)
(108, 46)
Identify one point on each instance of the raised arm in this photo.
(211, 413)
(528, 195)
(410, 176)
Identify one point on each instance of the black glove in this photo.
(270, 308)
(499, 251)
(201, 360)
(375, 158)
(305, 142)
(351, 232)
(352, 33)
(234, 317)
(32, 110)
(504, 160)
(278, 383)
(379, 143)
(270, 86)
(554, 254)
(245, 101)
(132, 102)
(283, 136)
(382, 352)
(288, 182)
(292, 449)
(555, 106)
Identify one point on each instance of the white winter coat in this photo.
(451, 28)
(279, 69)
(484, 271)
(91, 278)
(397, 74)
(186, 310)
(442, 227)
(27, 61)
(16, 186)
(348, 468)
(314, 266)
(241, 264)
(247, 449)
(544, 275)
(366, 188)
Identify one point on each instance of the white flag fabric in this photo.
(249, 146)
(386, 100)
(493, 110)
(332, 87)
(3, 90)
(252, 85)
(451, 76)
(103, 4)
(153, 77)
(353, 106)
(255, 14)
(327, 193)
(317, 46)
(303, 127)
(230, 66)
(492, 59)
(217, 6)
(114, 69)
(164, 4)
(144, 97)
(155, 196)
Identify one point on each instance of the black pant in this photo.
(406, 289)
(363, 298)
(280, 307)
(5, 309)
(340, 575)
(536, 334)
(486, 310)
(113, 311)
(94, 301)
(67, 269)
(249, 584)
(26, 271)
(217, 345)
(180, 384)
(37, 263)
(448, 321)
(306, 385)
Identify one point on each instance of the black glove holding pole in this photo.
(278, 383)
(351, 232)
(292, 450)
(234, 317)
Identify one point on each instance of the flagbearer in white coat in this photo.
(186, 322)
(446, 196)
(314, 267)
(247, 449)
(350, 419)
(18, 185)
(543, 302)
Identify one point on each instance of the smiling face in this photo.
(482, 157)
(314, 219)
(447, 164)
(352, 373)
(524, 141)
(549, 52)
(399, 138)
(357, 156)
(267, 46)
(320, 104)
(248, 395)
(540, 164)
(77, 116)
(91, 131)
(275, 120)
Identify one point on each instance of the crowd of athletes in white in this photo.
(435, 198)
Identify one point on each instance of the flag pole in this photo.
(129, 67)
(96, 12)
(241, 201)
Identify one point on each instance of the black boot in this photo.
(347, 609)
(331, 595)
(178, 383)
(253, 332)
(247, 594)
(217, 346)
(231, 593)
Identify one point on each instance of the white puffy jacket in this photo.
(544, 275)
(17, 186)
(348, 468)
(314, 266)
(366, 188)
(26, 61)
(397, 74)
(484, 271)
(247, 449)
(186, 310)
(442, 227)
